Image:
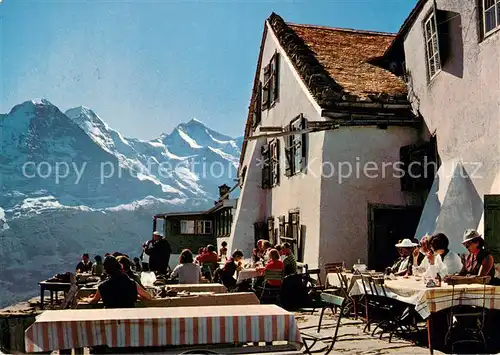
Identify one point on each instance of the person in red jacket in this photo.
(210, 256)
(274, 263)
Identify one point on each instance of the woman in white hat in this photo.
(479, 261)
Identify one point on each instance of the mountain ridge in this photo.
(105, 199)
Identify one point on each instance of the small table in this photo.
(52, 287)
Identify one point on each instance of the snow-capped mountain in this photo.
(70, 184)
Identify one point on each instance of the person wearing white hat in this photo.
(479, 261)
(402, 265)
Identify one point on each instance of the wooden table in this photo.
(203, 287)
(52, 287)
(193, 300)
(148, 327)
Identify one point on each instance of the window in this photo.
(257, 107)
(270, 89)
(187, 227)
(204, 227)
(491, 15)
(432, 45)
(295, 147)
(420, 164)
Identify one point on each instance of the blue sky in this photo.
(146, 66)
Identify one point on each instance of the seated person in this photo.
(126, 264)
(289, 259)
(223, 250)
(479, 261)
(201, 251)
(210, 256)
(85, 265)
(452, 264)
(274, 263)
(137, 264)
(233, 264)
(187, 271)
(402, 266)
(118, 290)
(258, 252)
(98, 267)
(266, 248)
(421, 252)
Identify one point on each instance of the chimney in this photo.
(223, 189)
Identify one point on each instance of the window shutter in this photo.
(265, 90)
(257, 106)
(281, 221)
(406, 181)
(266, 167)
(277, 170)
(444, 26)
(270, 230)
(303, 145)
(288, 153)
(276, 76)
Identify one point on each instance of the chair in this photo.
(208, 270)
(344, 290)
(394, 315)
(272, 291)
(477, 312)
(329, 301)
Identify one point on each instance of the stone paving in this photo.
(352, 339)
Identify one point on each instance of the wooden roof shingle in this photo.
(336, 64)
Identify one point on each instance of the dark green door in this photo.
(492, 224)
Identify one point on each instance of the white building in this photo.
(448, 52)
(326, 79)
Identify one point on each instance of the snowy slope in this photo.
(95, 190)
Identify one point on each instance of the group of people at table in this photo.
(433, 253)
(121, 286)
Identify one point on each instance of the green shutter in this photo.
(492, 224)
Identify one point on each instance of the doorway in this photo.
(387, 224)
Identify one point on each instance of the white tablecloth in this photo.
(428, 300)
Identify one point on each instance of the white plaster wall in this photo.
(372, 154)
(461, 105)
(301, 191)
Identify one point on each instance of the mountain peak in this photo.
(195, 120)
(40, 102)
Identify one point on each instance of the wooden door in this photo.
(492, 224)
(388, 225)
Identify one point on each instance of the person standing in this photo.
(158, 249)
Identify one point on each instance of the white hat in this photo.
(156, 233)
(406, 243)
(470, 234)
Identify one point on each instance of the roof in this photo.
(405, 27)
(172, 214)
(335, 63)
